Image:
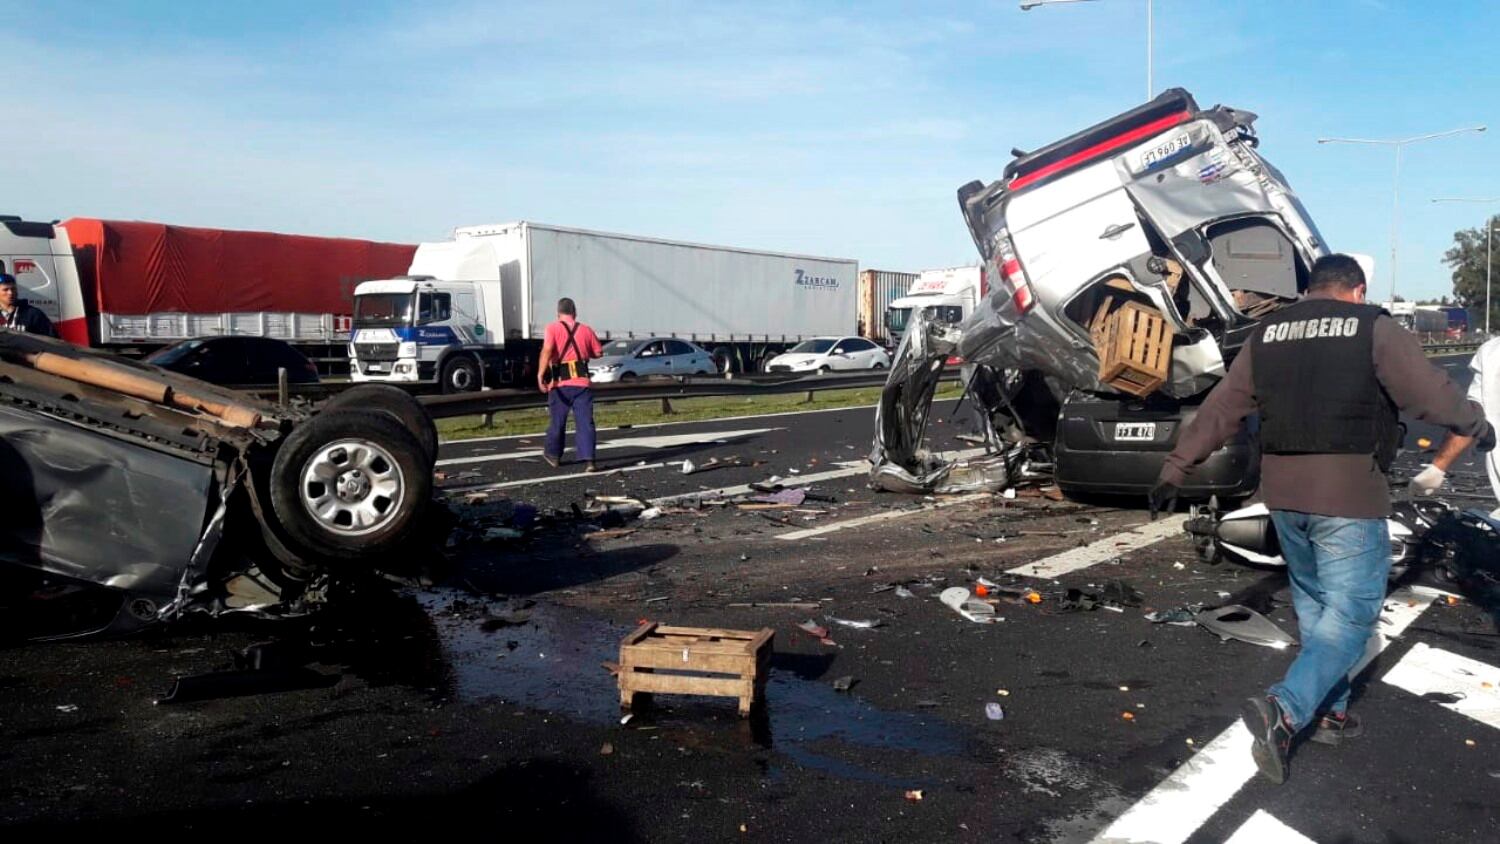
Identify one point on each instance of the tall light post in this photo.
(1028, 5)
(1399, 144)
(1489, 244)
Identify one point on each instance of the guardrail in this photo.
(1456, 348)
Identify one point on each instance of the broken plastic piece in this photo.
(957, 598)
(1244, 624)
(843, 684)
(856, 623)
(903, 592)
(812, 628)
(1181, 616)
(993, 711)
(915, 794)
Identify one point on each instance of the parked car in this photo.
(626, 360)
(1167, 207)
(236, 361)
(824, 354)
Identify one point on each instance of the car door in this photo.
(840, 356)
(650, 360)
(680, 357)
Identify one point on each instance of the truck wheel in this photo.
(460, 375)
(350, 483)
(399, 404)
(724, 359)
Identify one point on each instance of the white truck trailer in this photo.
(471, 311)
(945, 295)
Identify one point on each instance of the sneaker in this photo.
(590, 467)
(1273, 738)
(1335, 729)
(554, 462)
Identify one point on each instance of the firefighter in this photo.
(1327, 376)
(563, 374)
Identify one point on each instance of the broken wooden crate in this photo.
(1135, 348)
(659, 659)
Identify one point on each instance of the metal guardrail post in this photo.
(666, 407)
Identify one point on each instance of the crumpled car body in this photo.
(162, 509)
(1168, 204)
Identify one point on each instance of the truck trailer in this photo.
(471, 311)
(139, 285)
(877, 290)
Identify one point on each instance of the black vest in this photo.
(1315, 382)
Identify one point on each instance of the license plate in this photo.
(374, 367)
(1135, 432)
(1165, 150)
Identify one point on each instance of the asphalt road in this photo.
(424, 720)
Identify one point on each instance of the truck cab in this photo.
(40, 256)
(418, 329)
(946, 295)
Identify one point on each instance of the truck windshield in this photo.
(382, 310)
(895, 319)
(812, 347)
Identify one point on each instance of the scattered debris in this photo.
(650, 513)
(68, 708)
(625, 719)
(615, 533)
(856, 623)
(607, 749)
(844, 684)
(915, 794)
(1003, 692)
(706, 655)
(1128, 715)
(1180, 616)
(658, 599)
(1444, 697)
(993, 711)
(1244, 624)
(812, 628)
(957, 598)
(790, 605)
(690, 468)
(793, 496)
(903, 592)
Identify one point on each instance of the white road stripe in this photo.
(850, 468)
(1427, 669)
(881, 517)
(552, 479)
(1264, 829)
(669, 441)
(1076, 559)
(1184, 801)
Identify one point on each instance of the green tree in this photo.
(1469, 262)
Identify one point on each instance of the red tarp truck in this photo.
(115, 283)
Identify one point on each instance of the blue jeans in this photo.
(580, 401)
(1338, 568)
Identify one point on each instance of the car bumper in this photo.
(1089, 460)
(385, 371)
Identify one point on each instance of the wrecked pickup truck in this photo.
(156, 495)
(1132, 260)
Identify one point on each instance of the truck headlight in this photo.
(406, 350)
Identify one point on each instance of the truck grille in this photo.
(376, 351)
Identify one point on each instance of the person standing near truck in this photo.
(1326, 375)
(17, 314)
(1484, 390)
(563, 374)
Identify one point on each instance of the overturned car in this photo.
(1132, 260)
(157, 495)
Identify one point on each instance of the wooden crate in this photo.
(659, 659)
(1135, 349)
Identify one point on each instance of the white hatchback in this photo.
(824, 354)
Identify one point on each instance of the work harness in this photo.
(577, 368)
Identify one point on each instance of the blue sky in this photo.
(832, 129)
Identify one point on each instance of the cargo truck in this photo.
(877, 290)
(944, 295)
(138, 286)
(470, 312)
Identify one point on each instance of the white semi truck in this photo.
(471, 311)
(945, 295)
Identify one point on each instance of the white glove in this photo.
(1427, 482)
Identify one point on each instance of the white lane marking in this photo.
(852, 467)
(1427, 669)
(668, 441)
(714, 421)
(1076, 559)
(1264, 829)
(881, 517)
(552, 479)
(1184, 801)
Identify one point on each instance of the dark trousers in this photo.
(580, 402)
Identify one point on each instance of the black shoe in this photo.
(1334, 730)
(1273, 738)
(554, 462)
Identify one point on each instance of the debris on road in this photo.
(914, 795)
(1244, 624)
(691, 468)
(699, 658)
(957, 598)
(790, 605)
(857, 623)
(994, 711)
(815, 630)
(1180, 616)
(844, 684)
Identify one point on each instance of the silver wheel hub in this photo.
(352, 487)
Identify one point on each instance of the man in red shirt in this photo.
(563, 374)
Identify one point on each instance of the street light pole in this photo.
(1028, 5)
(1489, 250)
(1398, 143)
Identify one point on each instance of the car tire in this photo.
(400, 404)
(824, 369)
(461, 375)
(350, 483)
(628, 376)
(878, 365)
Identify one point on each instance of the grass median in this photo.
(642, 413)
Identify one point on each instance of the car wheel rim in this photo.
(352, 487)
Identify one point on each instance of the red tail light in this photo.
(1012, 274)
